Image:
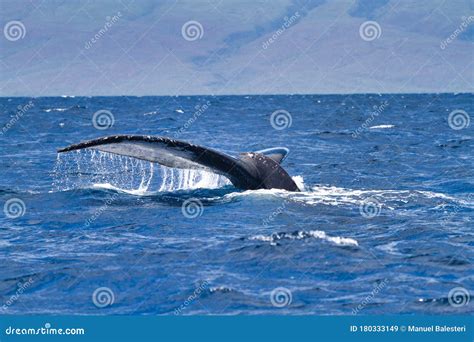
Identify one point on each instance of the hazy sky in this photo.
(144, 47)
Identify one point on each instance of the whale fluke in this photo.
(278, 154)
(248, 171)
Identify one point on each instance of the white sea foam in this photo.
(381, 126)
(390, 248)
(299, 182)
(300, 235)
(55, 110)
(108, 186)
(337, 196)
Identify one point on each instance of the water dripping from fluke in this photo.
(95, 169)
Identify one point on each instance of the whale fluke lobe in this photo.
(278, 154)
(249, 171)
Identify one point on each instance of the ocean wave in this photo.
(48, 110)
(382, 126)
(63, 109)
(337, 196)
(274, 238)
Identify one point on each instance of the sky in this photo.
(146, 47)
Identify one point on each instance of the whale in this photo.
(247, 171)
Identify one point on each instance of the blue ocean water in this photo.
(384, 223)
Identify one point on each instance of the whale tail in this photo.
(252, 170)
(278, 154)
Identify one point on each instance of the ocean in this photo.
(383, 224)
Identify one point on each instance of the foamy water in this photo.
(382, 127)
(300, 235)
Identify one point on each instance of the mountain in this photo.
(142, 47)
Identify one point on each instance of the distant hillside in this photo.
(245, 47)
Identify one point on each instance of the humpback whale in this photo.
(247, 171)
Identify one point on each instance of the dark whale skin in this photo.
(269, 173)
(250, 171)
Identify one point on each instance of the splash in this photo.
(84, 169)
(96, 169)
(387, 200)
(299, 182)
(48, 110)
(177, 179)
(273, 239)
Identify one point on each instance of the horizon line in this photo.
(256, 94)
